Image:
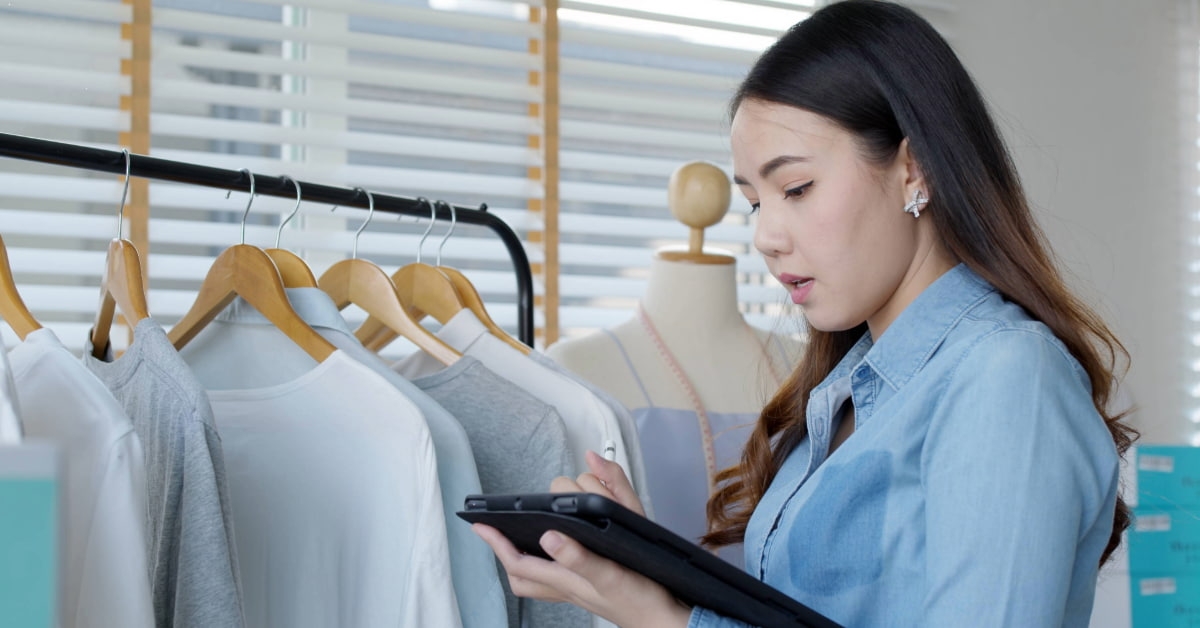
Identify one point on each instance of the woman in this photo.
(943, 455)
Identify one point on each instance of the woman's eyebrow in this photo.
(771, 166)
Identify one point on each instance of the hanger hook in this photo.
(250, 202)
(295, 209)
(370, 212)
(453, 221)
(124, 195)
(432, 219)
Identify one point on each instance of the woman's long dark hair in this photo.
(883, 73)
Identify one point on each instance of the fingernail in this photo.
(551, 541)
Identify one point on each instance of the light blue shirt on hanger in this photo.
(977, 489)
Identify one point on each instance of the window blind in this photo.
(409, 98)
(57, 222)
(644, 88)
(414, 98)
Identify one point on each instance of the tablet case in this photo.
(690, 573)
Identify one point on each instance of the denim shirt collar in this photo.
(899, 354)
(912, 339)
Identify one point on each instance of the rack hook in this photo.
(295, 209)
(432, 219)
(124, 195)
(250, 202)
(453, 221)
(370, 212)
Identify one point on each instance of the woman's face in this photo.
(831, 224)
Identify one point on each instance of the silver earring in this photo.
(914, 206)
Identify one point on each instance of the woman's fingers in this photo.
(606, 478)
(512, 559)
(614, 592)
(612, 477)
(531, 576)
(580, 577)
(563, 484)
(599, 573)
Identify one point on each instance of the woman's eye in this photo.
(799, 190)
(754, 208)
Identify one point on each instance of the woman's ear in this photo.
(910, 171)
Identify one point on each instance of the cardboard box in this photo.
(1165, 601)
(1168, 477)
(29, 535)
(1165, 541)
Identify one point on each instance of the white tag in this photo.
(1157, 586)
(1162, 464)
(1152, 523)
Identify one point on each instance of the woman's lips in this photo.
(798, 286)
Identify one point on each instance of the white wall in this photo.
(1087, 94)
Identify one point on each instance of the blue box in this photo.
(29, 535)
(1164, 541)
(1165, 601)
(1168, 477)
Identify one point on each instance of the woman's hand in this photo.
(579, 576)
(606, 478)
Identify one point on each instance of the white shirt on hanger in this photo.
(473, 566)
(106, 579)
(10, 416)
(590, 423)
(336, 502)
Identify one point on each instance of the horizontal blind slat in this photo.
(664, 18)
(192, 21)
(170, 90)
(75, 9)
(166, 51)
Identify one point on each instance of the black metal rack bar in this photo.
(73, 155)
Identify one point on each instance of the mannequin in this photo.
(733, 368)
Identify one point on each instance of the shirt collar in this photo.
(314, 307)
(916, 334)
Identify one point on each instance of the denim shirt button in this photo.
(860, 375)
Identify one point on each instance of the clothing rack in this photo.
(64, 154)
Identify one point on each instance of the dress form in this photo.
(691, 298)
(697, 423)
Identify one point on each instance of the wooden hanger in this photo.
(375, 337)
(423, 290)
(122, 285)
(366, 285)
(12, 308)
(247, 271)
(292, 268)
(469, 295)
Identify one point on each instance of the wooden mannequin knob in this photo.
(698, 195)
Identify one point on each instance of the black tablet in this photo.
(605, 527)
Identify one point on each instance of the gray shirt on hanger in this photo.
(520, 445)
(189, 527)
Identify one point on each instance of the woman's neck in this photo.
(685, 298)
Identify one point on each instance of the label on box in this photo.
(1166, 602)
(1152, 523)
(1159, 464)
(1164, 542)
(1157, 586)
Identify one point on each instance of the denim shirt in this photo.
(977, 489)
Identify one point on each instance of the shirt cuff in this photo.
(704, 618)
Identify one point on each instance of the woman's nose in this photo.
(770, 237)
